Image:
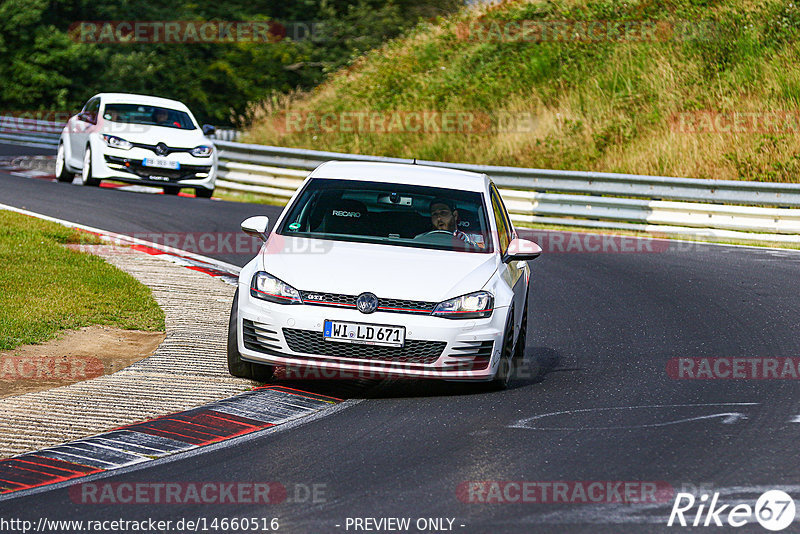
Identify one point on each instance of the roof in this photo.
(130, 98)
(402, 174)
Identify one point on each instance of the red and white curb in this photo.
(218, 421)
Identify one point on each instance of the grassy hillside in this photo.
(706, 89)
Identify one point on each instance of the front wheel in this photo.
(519, 349)
(171, 190)
(86, 172)
(202, 192)
(502, 377)
(62, 174)
(237, 366)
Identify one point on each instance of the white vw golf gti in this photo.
(385, 269)
(138, 139)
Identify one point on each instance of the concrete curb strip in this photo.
(187, 370)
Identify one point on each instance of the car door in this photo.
(83, 124)
(512, 272)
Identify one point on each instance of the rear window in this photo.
(391, 214)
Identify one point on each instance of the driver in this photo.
(444, 217)
(161, 116)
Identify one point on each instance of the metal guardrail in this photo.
(31, 132)
(727, 209)
(634, 185)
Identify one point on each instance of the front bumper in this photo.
(291, 335)
(126, 165)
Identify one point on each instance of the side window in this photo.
(90, 110)
(503, 228)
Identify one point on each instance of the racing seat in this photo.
(468, 220)
(346, 216)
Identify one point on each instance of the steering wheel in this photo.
(434, 232)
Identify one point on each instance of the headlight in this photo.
(117, 142)
(266, 287)
(202, 151)
(473, 306)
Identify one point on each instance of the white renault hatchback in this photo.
(377, 269)
(138, 139)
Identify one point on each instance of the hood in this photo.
(387, 271)
(152, 135)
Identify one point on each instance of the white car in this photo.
(377, 269)
(138, 139)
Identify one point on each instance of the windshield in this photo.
(392, 214)
(150, 115)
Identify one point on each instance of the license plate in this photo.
(364, 334)
(161, 163)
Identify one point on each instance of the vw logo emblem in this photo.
(161, 149)
(367, 303)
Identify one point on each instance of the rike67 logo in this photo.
(774, 510)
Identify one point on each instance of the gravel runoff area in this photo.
(187, 370)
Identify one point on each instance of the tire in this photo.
(237, 366)
(505, 369)
(86, 172)
(533, 366)
(62, 174)
(202, 192)
(171, 190)
(519, 348)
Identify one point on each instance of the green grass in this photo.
(252, 198)
(46, 288)
(598, 106)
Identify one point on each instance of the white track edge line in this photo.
(224, 266)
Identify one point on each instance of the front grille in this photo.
(186, 172)
(315, 298)
(167, 150)
(328, 299)
(258, 337)
(414, 350)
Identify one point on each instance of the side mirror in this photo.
(522, 250)
(256, 227)
(209, 129)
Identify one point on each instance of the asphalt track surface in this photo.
(602, 325)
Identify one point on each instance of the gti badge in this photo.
(367, 303)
